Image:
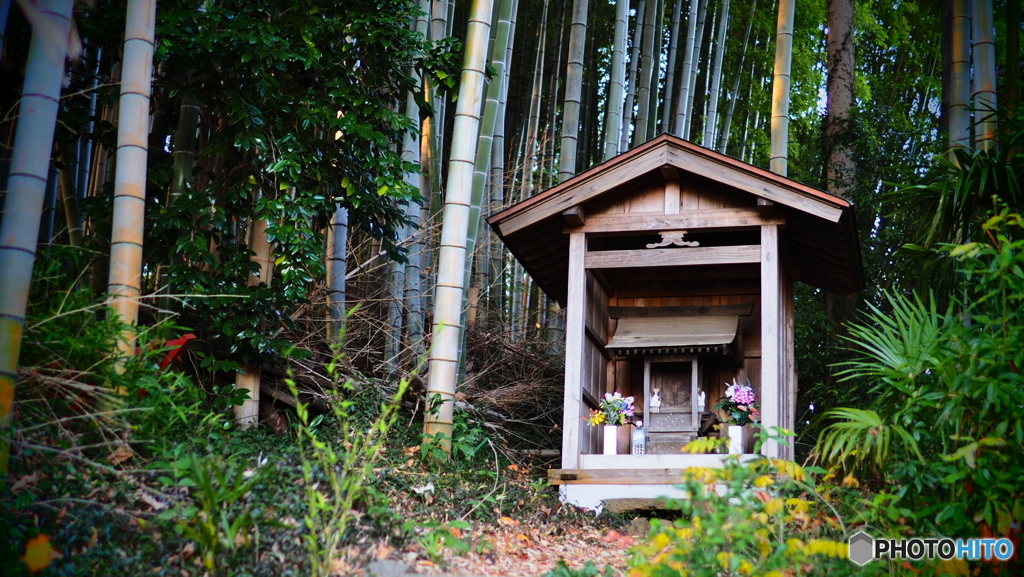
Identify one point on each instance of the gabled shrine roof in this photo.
(820, 228)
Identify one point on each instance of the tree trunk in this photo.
(444, 354)
(716, 80)
(780, 88)
(248, 378)
(983, 49)
(960, 77)
(573, 90)
(634, 65)
(124, 283)
(840, 167)
(723, 140)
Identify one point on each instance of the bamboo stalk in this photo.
(573, 90)
(983, 49)
(716, 79)
(337, 269)
(960, 78)
(444, 357)
(723, 140)
(248, 378)
(125, 279)
(634, 65)
(780, 88)
(685, 86)
(33, 144)
(616, 90)
(646, 75)
(666, 110)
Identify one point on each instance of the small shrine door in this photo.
(675, 380)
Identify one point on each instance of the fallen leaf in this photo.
(122, 454)
(26, 481)
(424, 489)
(188, 550)
(411, 450)
(37, 553)
(383, 551)
(152, 501)
(508, 521)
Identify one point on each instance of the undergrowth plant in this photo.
(761, 517)
(338, 472)
(945, 431)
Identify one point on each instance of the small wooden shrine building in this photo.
(675, 266)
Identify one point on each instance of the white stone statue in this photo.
(655, 401)
(700, 400)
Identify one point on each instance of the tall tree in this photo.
(30, 162)
(444, 352)
(840, 64)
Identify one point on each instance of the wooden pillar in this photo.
(790, 368)
(574, 335)
(773, 363)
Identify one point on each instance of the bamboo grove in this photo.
(275, 173)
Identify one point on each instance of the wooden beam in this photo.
(718, 219)
(575, 216)
(656, 257)
(616, 476)
(741, 309)
(575, 327)
(671, 189)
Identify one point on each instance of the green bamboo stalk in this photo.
(647, 60)
(616, 90)
(573, 91)
(723, 140)
(716, 79)
(481, 168)
(666, 110)
(693, 26)
(634, 66)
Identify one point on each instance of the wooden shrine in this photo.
(675, 266)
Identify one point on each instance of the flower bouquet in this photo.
(737, 406)
(615, 410)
